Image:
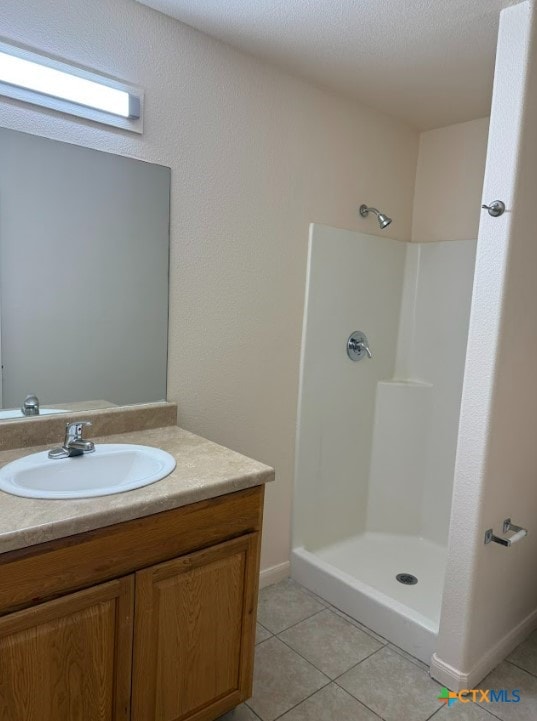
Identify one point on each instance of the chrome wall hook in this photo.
(496, 208)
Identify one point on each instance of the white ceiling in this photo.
(428, 62)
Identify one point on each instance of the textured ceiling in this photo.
(428, 62)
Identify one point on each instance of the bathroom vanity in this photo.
(140, 605)
(137, 605)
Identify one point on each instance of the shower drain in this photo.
(407, 578)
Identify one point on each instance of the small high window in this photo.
(36, 79)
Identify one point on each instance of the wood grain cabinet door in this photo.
(194, 633)
(69, 659)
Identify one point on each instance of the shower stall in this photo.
(376, 437)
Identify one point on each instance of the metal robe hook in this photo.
(496, 208)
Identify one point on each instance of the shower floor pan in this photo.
(358, 576)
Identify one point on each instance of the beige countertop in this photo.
(204, 470)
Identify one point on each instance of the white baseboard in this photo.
(271, 575)
(456, 680)
(449, 676)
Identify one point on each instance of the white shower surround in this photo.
(376, 439)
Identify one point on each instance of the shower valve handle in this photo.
(358, 346)
(363, 346)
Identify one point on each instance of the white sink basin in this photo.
(112, 468)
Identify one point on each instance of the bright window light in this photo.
(48, 81)
(24, 75)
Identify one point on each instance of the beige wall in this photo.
(256, 155)
(449, 181)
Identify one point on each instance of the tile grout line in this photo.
(316, 596)
(359, 699)
(372, 634)
(434, 713)
(323, 673)
(361, 627)
(249, 708)
(384, 643)
(520, 667)
(305, 591)
(489, 712)
(303, 658)
(264, 627)
(333, 610)
(355, 665)
(381, 718)
(307, 618)
(356, 697)
(338, 612)
(303, 700)
(475, 704)
(329, 681)
(409, 657)
(479, 706)
(369, 632)
(350, 669)
(482, 708)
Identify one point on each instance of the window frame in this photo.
(50, 102)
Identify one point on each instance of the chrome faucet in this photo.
(73, 444)
(30, 407)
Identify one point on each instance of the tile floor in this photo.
(314, 663)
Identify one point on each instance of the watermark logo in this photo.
(448, 697)
(479, 695)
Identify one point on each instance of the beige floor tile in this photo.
(330, 643)
(409, 656)
(241, 713)
(284, 604)
(509, 677)
(463, 712)
(393, 687)
(331, 703)
(361, 626)
(261, 633)
(525, 655)
(282, 679)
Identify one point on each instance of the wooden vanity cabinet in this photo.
(69, 658)
(190, 635)
(169, 637)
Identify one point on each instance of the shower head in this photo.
(384, 220)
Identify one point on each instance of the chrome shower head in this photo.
(383, 220)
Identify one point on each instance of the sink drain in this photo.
(407, 579)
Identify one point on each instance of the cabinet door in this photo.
(69, 659)
(194, 633)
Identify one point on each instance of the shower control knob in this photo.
(358, 346)
(496, 208)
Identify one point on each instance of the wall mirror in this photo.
(84, 260)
